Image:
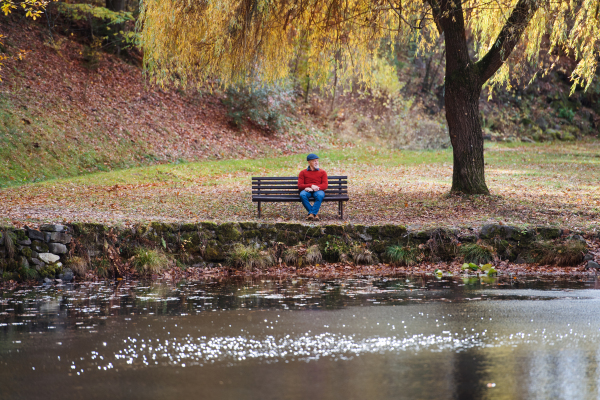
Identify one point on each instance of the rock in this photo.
(57, 248)
(35, 235)
(490, 231)
(26, 242)
(365, 237)
(579, 238)
(24, 262)
(527, 139)
(52, 228)
(37, 262)
(60, 237)
(49, 258)
(67, 275)
(588, 257)
(592, 264)
(47, 280)
(40, 247)
(542, 123)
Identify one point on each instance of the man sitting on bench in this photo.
(312, 182)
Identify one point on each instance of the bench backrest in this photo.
(287, 186)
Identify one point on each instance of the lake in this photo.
(410, 337)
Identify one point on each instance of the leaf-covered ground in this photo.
(538, 184)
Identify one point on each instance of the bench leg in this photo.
(341, 209)
(259, 209)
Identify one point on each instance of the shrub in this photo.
(299, 256)
(149, 261)
(78, 264)
(476, 253)
(249, 257)
(562, 254)
(403, 255)
(262, 106)
(9, 244)
(361, 255)
(334, 250)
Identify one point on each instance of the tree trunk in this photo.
(115, 5)
(462, 115)
(463, 87)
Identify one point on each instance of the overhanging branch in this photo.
(507, 39)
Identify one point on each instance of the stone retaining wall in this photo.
(47, 250)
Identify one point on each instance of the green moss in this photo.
(248, 225)
(313, 232)
(373, 231)
(214, 252)
(336, 230)
(251, 234)
(20, 234)
(40, 247)
(228, 232)
(50, 271)
(379, 246)
(287, 237)
(392, 231)
(548, 233)
(188, 227)
(26, 251)
(209, 225)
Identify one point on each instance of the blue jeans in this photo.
(316, 196)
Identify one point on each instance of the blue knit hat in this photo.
(311, 156)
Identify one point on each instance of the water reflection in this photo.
(361, 338)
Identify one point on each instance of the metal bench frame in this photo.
(285, 189)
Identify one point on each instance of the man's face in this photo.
(314, 164)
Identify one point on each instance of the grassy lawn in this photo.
(539, 184)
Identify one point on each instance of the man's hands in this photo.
(315, 188)
(308, 189)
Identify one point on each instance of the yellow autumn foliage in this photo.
(230, 39)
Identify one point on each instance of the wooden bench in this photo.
(285, 189)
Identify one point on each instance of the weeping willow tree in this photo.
(230, 39)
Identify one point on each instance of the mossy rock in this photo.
(248, 225)
(418, 236)
(20, 234)
(190, 239)
(26, 251)
(314, 232)
(209, 225)
(336, 230)
(287, 237)
(392, 231)
(188, 227)
(547, 232)
(251, 234)
(50, 271)
(373, 231)
(160, 227)
(228, 232)
(214, 252)
(379, 246)
(86, 228)
(40, 247)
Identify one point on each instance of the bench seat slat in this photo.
(291, 187)
(294, 199)
(288, 178)
(297, 194)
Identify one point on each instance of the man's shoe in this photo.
(316, 218)
(310, 217)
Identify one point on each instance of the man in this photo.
(312, 182)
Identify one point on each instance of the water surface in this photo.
(410, 337)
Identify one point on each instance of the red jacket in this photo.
(307, 178)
